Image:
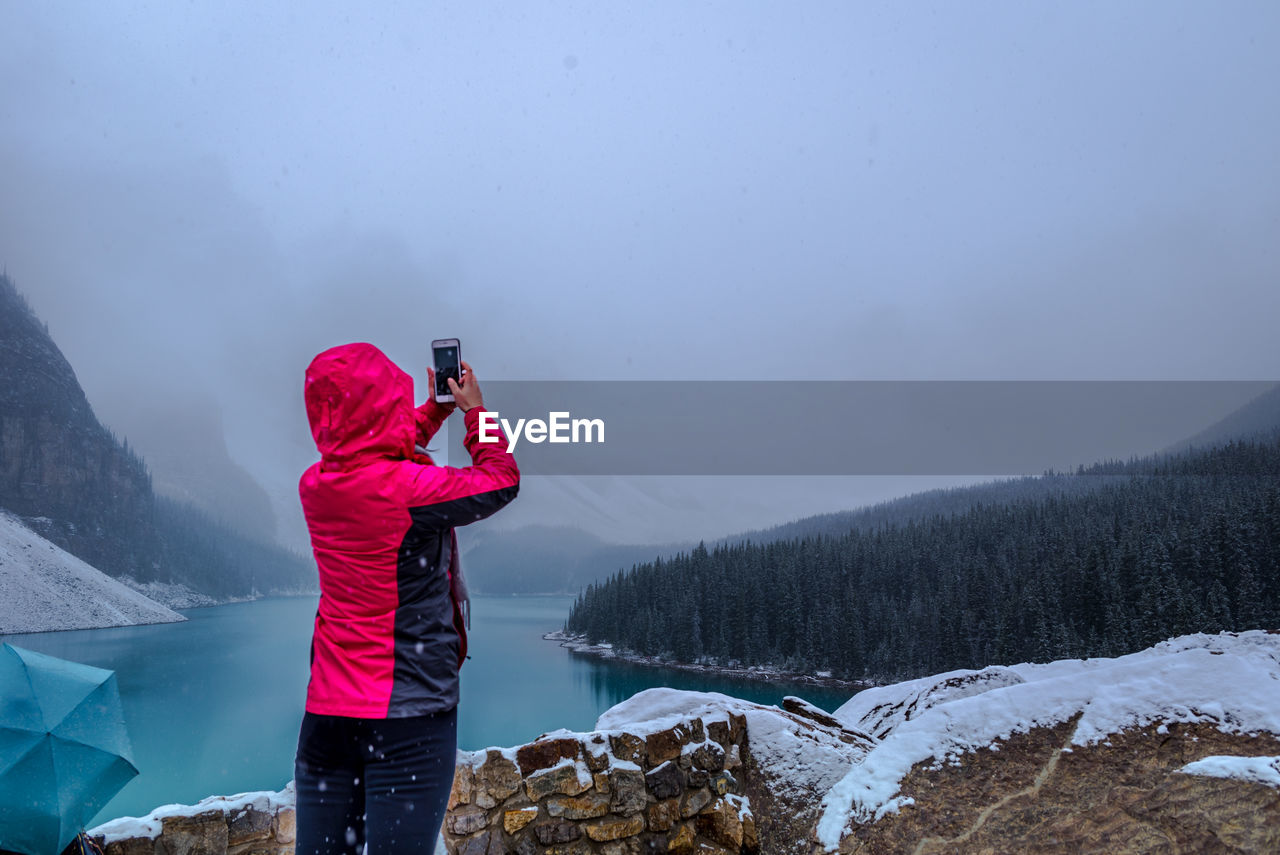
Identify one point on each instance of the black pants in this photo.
(384, 782)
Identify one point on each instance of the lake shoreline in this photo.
(578, 644)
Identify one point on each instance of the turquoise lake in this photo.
(213, 704)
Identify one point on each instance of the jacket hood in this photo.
(360, 405)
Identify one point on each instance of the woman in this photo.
(377, 745)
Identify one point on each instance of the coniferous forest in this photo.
(1156, 548)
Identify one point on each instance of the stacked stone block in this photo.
(243, 831)
(606, 793)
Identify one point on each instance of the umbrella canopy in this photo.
(64, 750)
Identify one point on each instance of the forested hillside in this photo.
(1151, 549)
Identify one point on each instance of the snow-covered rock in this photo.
(43, 588)
(880, 710)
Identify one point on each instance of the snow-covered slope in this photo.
(43, 587)
(1231, 681)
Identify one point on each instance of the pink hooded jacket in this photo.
(389, 634)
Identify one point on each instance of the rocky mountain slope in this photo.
(59, 467)
(74, 483)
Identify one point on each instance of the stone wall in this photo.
(677, 789)
(247, 824)
(673, 790)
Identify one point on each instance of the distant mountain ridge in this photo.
(916, 506)
(1258, 419)
(74, 483)
(540, 559)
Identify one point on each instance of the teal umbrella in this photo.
(64, 750)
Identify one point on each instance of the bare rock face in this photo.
(1036, 794)
(60, 468)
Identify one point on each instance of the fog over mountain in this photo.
(197, 199)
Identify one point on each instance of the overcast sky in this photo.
(198, 197)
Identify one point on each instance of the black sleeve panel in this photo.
(463, 510)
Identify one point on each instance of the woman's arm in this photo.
(446, 496)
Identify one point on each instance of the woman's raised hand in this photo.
(467, 393)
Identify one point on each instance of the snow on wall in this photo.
(151, 826)
(127, 827)
(43, 588)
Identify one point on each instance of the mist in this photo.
(199, 198)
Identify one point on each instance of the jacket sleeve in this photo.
(446, 496)
(429, 417)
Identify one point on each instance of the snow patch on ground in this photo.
(1230, 680)
(44, 588)
(1260, 770)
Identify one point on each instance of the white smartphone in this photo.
(447, 355)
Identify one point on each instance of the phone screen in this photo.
(447, 365)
